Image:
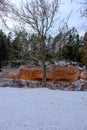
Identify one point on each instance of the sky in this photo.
(75, 20)
(66, 8)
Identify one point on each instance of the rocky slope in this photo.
(58, 77)
(54, 73)
(80, 85)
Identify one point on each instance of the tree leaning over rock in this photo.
(39, 15)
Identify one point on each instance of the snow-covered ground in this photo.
(42, 109)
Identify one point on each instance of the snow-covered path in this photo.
(42, 109)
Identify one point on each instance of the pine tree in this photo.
(4, 47)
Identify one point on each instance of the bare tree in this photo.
(39, 15)
(2, 2)
(84, 8)
(4, 9)
(4, 6)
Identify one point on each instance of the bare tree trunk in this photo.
(43, 84)
(43, 59)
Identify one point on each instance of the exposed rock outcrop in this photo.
(66, 73)
(54, 73)
(28, 72)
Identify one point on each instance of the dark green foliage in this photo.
(70, 48)
(19, 48)
(25, 48)
(4, 47)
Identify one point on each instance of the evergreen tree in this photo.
(70, 49)
(19, 48)
(4, 47)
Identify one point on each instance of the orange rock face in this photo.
(29, 72)
(70, 73)
(54, 73)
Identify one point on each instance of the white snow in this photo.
(42, 109)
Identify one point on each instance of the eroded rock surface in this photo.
(63, 73)
(54, 73)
